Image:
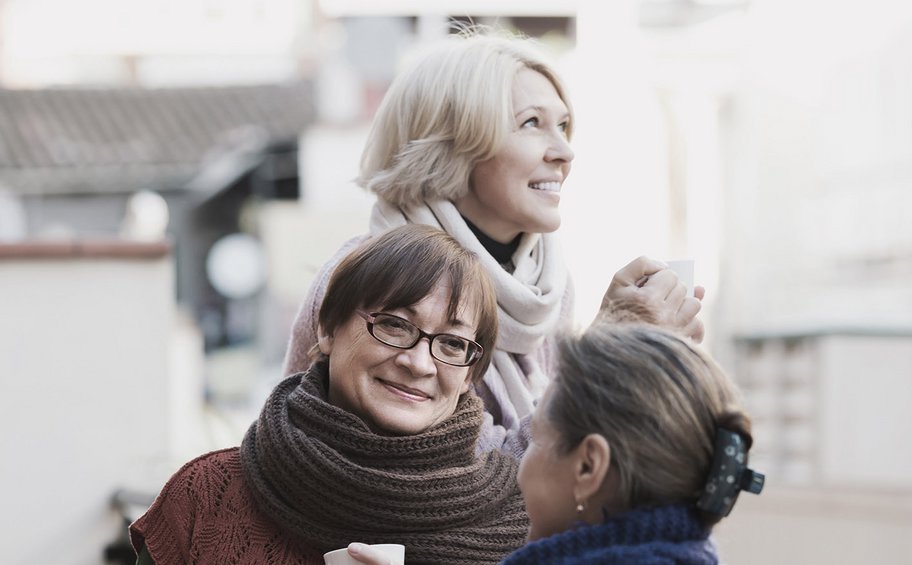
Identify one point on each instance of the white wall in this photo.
(818, 195)
(811, 525)
(83, 399)
(864, 411)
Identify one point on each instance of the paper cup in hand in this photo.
(685, 271)
(394, 551)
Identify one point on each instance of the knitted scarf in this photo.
(665, 535)
(325, 479)
(528, 300)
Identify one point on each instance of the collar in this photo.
(502, 252)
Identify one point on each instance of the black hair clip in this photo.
(728, 475)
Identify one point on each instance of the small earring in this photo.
(580, 508)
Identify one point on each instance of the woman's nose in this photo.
(560, 149)
(418, 359)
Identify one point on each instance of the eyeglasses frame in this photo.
(370, 316)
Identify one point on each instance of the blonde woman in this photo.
(474, 138)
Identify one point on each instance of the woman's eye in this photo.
(564, 126)
(453, 344)
(530, 123)
(392, 324)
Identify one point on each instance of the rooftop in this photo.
(82, 140)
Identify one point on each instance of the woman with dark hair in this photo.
(374, 442)
(640, 445)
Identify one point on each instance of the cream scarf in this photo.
(528, 300)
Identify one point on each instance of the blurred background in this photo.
(172, 174)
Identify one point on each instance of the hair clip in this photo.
(728, 475)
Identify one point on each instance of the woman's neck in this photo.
(502, 252)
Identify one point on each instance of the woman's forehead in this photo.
(440, 299)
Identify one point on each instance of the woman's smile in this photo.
(396, 390)
(404, 392)
(518, 189)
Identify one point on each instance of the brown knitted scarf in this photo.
(327, 480)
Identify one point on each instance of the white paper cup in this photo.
(684, 268)
(395, 551)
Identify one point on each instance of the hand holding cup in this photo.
(364, 554)
(667, 294)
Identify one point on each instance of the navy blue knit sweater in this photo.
(665, 535)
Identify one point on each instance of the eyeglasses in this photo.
(400, 333)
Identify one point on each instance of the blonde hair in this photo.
(657, 398)
(447, 112)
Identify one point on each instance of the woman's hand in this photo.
(363, 553)
(649, 284)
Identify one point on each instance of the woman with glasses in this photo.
(374, 442)
(474, 138)
(639, 447)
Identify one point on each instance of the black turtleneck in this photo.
(502, 252)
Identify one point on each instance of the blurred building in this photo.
(768, 140)
(75, 157)
(138, 142)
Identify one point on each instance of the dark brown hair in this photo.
(399, 268)
(656, 397)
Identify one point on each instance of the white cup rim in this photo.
(391, 549)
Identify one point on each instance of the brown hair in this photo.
(656, 398)
(399, 268)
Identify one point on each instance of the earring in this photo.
(580, 508)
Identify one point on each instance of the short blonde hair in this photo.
(448, 111)
(656, 397)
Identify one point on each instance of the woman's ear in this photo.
(592, 462)
(325, 342)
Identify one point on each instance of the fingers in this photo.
(661, 293)
(694, 330)
(637, 270)
(635, 275)
(687, 321)
(664, 291)
(363, 553)
(676, 291)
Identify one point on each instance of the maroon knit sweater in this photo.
(205, 515)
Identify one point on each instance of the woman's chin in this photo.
(397, 423)
(546, 225)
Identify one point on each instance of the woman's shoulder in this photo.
(329, 266)
(166, 528)
(206, 513)
(201, 479)
(347, 246)
(225, 462)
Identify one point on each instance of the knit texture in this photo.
(326, 479)
(205, 515)
(665, 535)
(535, 302)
